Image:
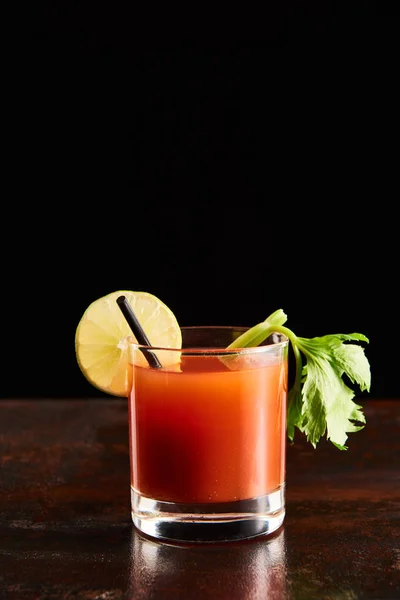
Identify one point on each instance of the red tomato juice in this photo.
(207, 433)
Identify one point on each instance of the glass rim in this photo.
(211, 350)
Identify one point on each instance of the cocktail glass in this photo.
(208, 437)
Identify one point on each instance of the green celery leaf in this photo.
(327, 404)
(350, 359)
(327, 400)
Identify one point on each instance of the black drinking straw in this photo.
(138, 332)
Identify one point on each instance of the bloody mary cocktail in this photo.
(208, 433)
(207, 410)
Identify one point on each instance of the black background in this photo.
(230, 168)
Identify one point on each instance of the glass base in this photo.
(209, 522)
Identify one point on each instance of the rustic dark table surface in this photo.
(65, 529)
